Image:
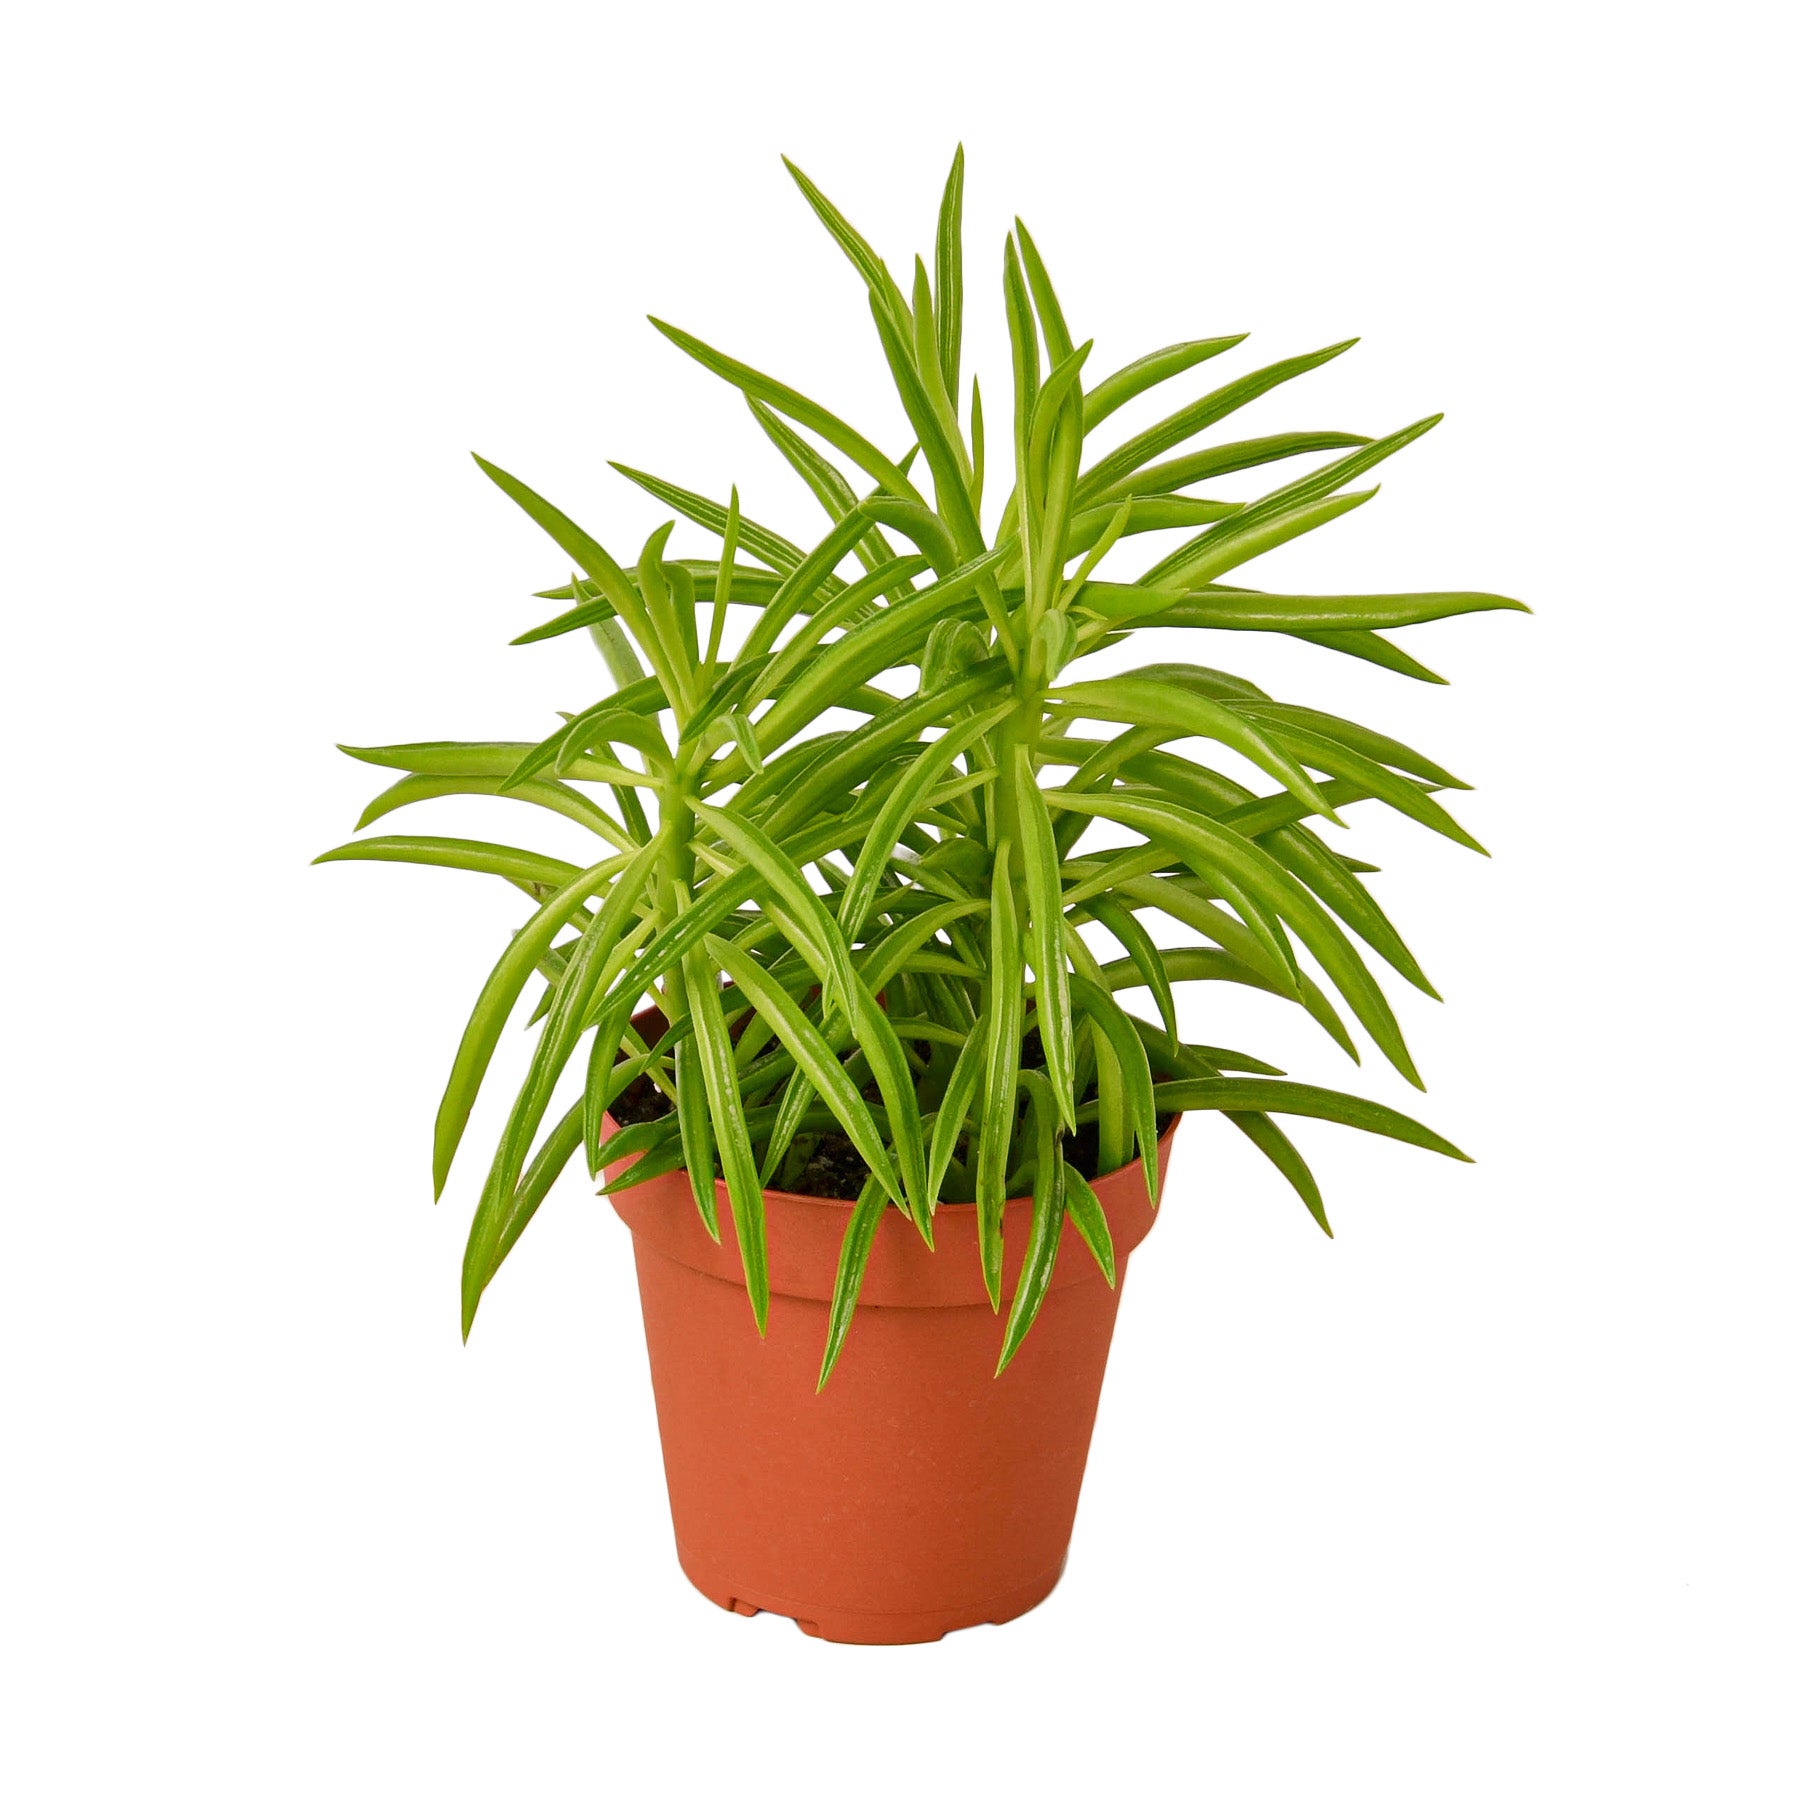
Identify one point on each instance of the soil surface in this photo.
(834, 1171)
(640, 1103)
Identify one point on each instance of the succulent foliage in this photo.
(845, 845)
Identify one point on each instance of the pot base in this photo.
(871, 1627)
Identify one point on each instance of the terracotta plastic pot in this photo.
(918, 1493)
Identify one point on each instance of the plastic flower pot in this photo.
(917, 1493)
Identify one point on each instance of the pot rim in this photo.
(806, 1235)
(770, 1193)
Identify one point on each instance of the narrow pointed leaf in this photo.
(1000, 1072)
(1238, 1094)
(1043, 896)
(1089, 1218)
(813, 1056)
(722, 1098)
(1048, 1206)
(853, 1262)
(1196, 417)
(501, 990)
(796, 406)
(949, 297)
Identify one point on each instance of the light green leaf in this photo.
(1049, 1203)
(812, 1056)
(949, 305)
(722, 1098)
(1249, 1095)
(1003, 1007)
(1043, 898)
(853, 1262)
(1089, 1218)
(796, 406)
(502, 989)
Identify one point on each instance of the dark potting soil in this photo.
(834, 1171)
(641, 1102)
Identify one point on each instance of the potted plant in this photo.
(835, 1005)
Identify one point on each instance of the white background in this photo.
(1493, 1495)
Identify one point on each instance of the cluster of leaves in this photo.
(864, 913)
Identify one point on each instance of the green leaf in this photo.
(743, 1181)
(1195, 417)
(754, 586)
(1134, 515)
(921, 527)
(1226, 459)
(1139, 947)
(949, 306)
(1355, 737)
(608, 1076)
(811, 578)
(1134, 1068)
(1398, 791)
(1224, 547)
(695, 1116)
(942, 452)
(664, 1160)
(868, 265)
(869, 649)
(411, 789)
(959, 1094)
(843, 611)
(1249, 1095)
(597, 565)
(1003, 1007)
(796, 406)
(525, 866)
(565, 750)
(796, 1099)
(1049, 310)
(1210, 850)
(820, 474)
(898, 811)
(745, 733)
(1043, 898)
(1089, 1218)
(1233, 609)
(1049, 1203)
(853, 1262)
(1238, 959)
(812, 1056)
(593, 963)
(479, 761)
(1150, 371)
(726, 579)
(1132, 700)
(1273, 1142)
(818, 939)
(770, 546)
(1330, 877)
(1368, 647)
(1327, 480)
(546, 1166)
(501, 990)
